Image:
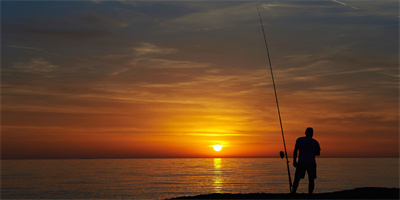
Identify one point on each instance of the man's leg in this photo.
(299, 174)
(312, 175)
(311, 186)
(295, 184)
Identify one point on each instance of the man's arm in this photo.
(318, 151)
(295, 157)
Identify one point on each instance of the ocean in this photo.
(167, 178)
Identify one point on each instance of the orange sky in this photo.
(125, 80)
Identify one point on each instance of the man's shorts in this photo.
(302, 167)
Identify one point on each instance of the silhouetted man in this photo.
(308, 148)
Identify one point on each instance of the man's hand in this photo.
(295, 156)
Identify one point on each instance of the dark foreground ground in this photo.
(358, 193)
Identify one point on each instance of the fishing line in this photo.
(276, 98)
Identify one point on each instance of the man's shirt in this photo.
(307, 147)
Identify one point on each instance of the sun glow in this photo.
(217, 147)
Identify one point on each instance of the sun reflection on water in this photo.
(218, 180)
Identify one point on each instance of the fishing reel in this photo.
(282, 154)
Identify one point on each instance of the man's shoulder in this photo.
(314, 140)
(300, 139)
(306, 140)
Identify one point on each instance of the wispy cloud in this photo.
(37, 66)
(212, 19)
(82, 61)
(136, 3)
(100, 21)
(22, 47)
(150, 49)
(98, 1)
(345, 4)
(170, 64)
(75, 34)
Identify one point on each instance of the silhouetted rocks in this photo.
(355, 194)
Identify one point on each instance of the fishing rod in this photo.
(276, 98)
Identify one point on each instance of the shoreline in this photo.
(357, 193)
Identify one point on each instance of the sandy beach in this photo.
(357, 193)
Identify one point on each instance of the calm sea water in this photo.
(167, 178)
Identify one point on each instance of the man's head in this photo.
(309, 132)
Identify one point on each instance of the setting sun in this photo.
(217, 147)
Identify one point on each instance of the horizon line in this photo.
(176, 158)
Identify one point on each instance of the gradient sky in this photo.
(124, 79)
